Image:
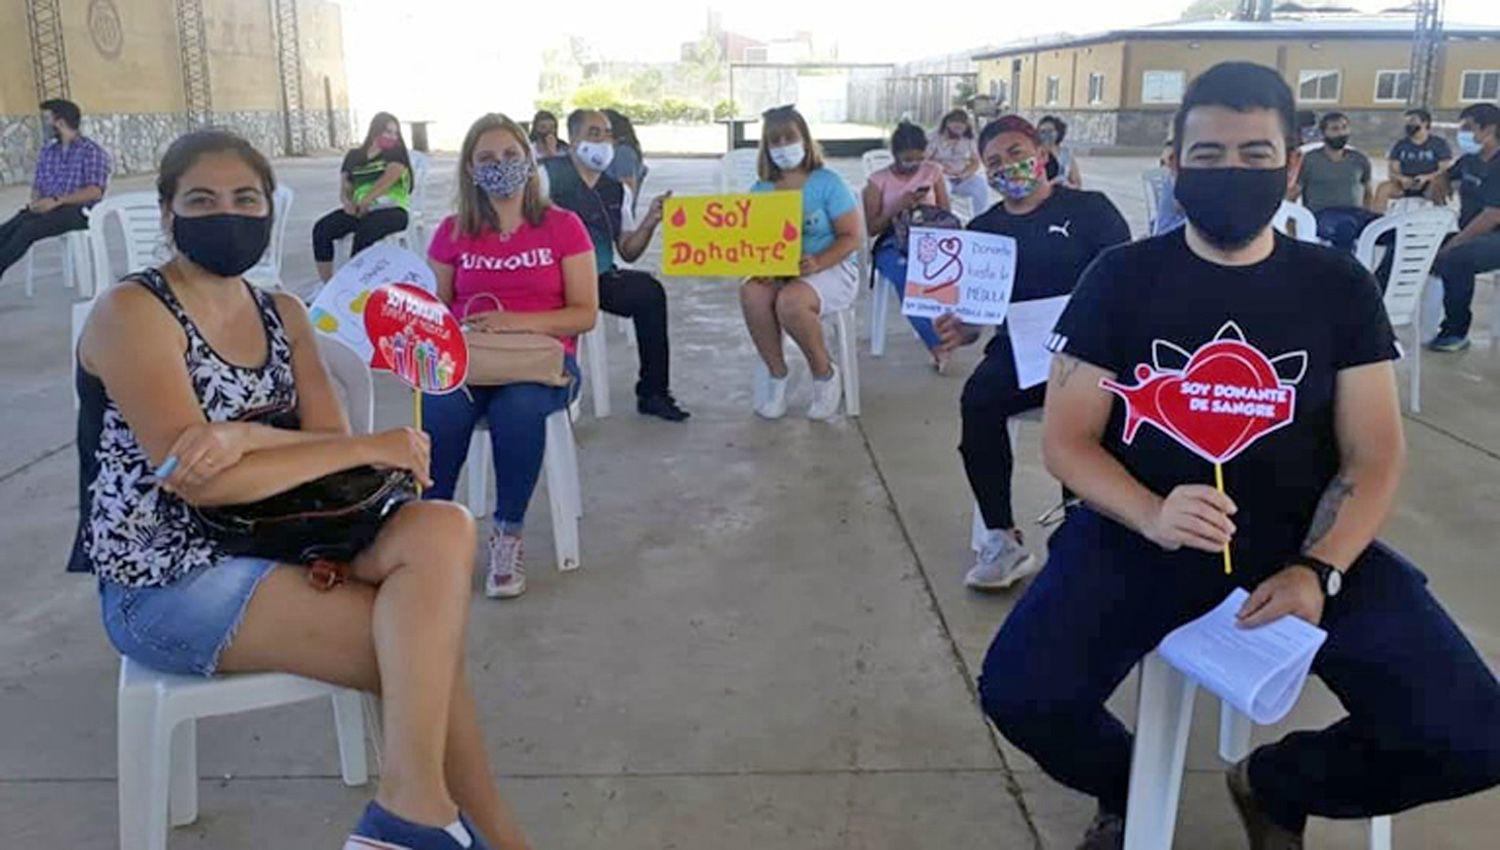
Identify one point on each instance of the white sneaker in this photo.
(506, 577)
(770, 394)
(1002, 561)
(826, 397)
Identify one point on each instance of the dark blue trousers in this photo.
(1423, 718)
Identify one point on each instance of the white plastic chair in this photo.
(139, 215)
(267, 272)
(75, 254)
(874, 160)
(1419, 235)
(593, 347)
(1300, 218)
(352, 380)
(737, 170)
(157, 727)
(1153, 179)
(1164, 716)
(564, 490)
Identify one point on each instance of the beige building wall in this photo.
(1058, 64)
(1107, 59)
(17, 88)
(1358, 63)
(136, 69)
(323, 55)
(1190, 57)
(1461, 56)
(241, 55)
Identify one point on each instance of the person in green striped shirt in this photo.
(374, 194)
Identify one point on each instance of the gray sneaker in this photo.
(1002, 561)
(1107, 832)
(1264, 833)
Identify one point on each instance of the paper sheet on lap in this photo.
(1259, 671)
(1031, 324)
(339, 309)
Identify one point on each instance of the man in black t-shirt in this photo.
(1225, 346)
(1058, 232)
(1417, 163)
(1475, 249)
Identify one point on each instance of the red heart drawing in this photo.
(416, 338)
(1226, 397)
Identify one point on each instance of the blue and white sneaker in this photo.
(1448, 342)
(378, 829)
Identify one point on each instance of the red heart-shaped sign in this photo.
(416, 338)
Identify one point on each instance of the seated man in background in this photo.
(579, 183)
(1475, 249)
(1417, 164)
(1335, 184)
(72, 172)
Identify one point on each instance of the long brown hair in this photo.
(773, 122)
(475, 214)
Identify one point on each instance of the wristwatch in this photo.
(1330, 578)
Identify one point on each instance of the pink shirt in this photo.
(523, 271)
(954, 155)
(893, 187)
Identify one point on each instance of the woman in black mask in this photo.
(174, 365)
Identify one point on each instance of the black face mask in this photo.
(1230, 206)
(1336, 142)
(1413, 129)
(225, 244)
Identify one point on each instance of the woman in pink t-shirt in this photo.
(508, 261)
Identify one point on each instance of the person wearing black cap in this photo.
(1058, 232)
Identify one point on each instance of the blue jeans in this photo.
(891, 264)
(1457, 267)
(1423, 719)
(1341, 226)
(517, 416)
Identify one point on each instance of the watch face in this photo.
(1335, 582)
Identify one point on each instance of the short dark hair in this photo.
(576, 119)
(1241, 86)
(1061, 125)
(1329, 118)
(1420, 114)
(65, 110)
(1483, 114)
(908, 137)
(1006, 124)
(190, 147)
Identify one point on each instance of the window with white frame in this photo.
(1319, 86)
(1163, 86)
(1392, 86)
(1096, 88)
(1480, 85)
(1054, 90)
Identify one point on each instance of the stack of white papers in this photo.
(1259, 671)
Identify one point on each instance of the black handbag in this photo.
(332, 518)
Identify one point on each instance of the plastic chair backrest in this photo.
(1154, 179)
(421, 167)
(140, 222)
(875, 160)
(352, 379)
(1301, 217)
(267, 272)
(1419, 235)
(737, 170)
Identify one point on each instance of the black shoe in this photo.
(662, 406)
(1264, 833)
(1107, 832)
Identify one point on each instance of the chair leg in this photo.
(879, 303)
(477, 468)
(1415, 402)
(560, 482)
(849, 361)
(349, 721)
(31, 272)
(1380, 833)
(1163, 719)
(596, 353)
(374, 726)
(142, 770)
(1234, 733)
(182, 806)
(977, 531)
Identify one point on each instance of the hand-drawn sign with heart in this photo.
(1227, 396)
(416, 338)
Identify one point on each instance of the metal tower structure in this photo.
(193, 44)
(1426, 41)
(1253, 10)
(289, 61)
(49, 59)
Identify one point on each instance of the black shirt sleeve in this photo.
(1109, 224)
(1088, 325)
(1362, 332)
(352, 160)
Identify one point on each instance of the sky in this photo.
(453, 52)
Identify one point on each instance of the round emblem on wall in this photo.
(105, 28)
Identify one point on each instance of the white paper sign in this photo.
(339, 308)
(964, 272)
(1260, 671)
(1030, 324)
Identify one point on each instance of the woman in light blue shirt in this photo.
(790, 160)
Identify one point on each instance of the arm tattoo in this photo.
(1063, 368)
(1338, 491)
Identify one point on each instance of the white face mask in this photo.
(1467, 143)
(789, 156)
(596, 155)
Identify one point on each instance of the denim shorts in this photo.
(182, 627)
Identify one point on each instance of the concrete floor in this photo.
(768, 645)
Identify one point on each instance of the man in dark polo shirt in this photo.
(1475, 249)
(1417, 163)
(579, 183)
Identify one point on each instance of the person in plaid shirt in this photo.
(72, 172)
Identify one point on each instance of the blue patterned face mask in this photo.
(503, 178)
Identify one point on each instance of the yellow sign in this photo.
(733, 235)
